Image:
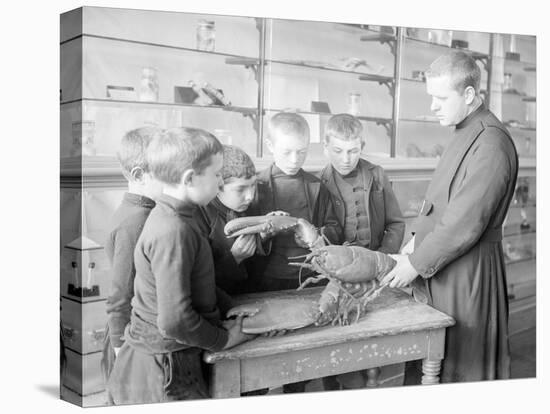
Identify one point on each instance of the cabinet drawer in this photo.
(520, 247)
(522, 315)
(83, 373)
(522, 290)
(520, 219)
(521, 272)
(83, 325)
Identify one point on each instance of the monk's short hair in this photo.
(343, 126)
(180, 149)
(132, 151)
(289, 123)
(236, 164)
(460, 66)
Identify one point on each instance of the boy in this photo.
(126, 225)
(364, 202)
(232, 201)
(285, 186)
(174, 312)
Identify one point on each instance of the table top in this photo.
(392, 313)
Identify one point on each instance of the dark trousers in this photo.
(138, 377)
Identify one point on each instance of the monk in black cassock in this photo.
(457, 249)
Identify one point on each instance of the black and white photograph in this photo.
(254, 204)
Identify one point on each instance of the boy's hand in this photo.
(266, 235)
(243, 247)
(236, 335)
(116, 349)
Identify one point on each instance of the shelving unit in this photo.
(263, 66)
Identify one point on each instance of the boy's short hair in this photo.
(343, 126)
(460, 66)
(236, 164)
(180, 149)
(288, 123)
(133, 149)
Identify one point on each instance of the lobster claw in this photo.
(270, 224)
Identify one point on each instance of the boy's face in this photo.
(238, 193)
(289, 151)
(205, 186)
(343, 155)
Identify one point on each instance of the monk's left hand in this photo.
(402, 274)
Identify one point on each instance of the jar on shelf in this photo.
(83, 139)
(224, 136)
(206, 35)
(149, 85)
(507, 86)
(354, 103)
(440, 37)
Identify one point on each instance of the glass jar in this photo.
(83, 139)
(206, 35)
(507, 86)
(149, 85)
(354, 104)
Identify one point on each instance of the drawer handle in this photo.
(68, 332)
(98, 334)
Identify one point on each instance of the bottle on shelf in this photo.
(206, 35)
(149, 85)
(354, 103)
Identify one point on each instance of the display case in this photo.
(122, 69)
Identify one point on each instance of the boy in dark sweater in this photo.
(174, 310)
(233, 200)
(126, 224)
(285, 186)
(365, 204)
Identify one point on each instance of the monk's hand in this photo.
(402, 274)
(408, 248)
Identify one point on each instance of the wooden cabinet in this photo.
(121, 69)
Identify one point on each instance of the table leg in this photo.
(430, 369)
(225, 379)
(372, 377)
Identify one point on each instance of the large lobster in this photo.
(353, 271)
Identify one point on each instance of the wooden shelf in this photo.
(152, 44)
(376, 78)
(473, 53)
(377, 120)
(378, 37)
(163, 105)
(322, 66)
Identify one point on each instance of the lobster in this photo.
(345, 265)
(341, 265)
(306, 234)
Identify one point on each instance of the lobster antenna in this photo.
(301, 268)
(306, 256)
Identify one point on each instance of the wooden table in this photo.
(395, 329)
